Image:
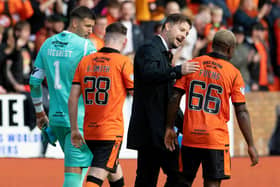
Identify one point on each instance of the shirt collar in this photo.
(217, 55)
(164, 42)
(108, 50)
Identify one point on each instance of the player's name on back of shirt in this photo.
(98, 68)
(60, 53)
(209, 74)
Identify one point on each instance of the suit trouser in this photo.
(150, 160)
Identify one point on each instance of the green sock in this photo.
(72, 180)
(84, 173)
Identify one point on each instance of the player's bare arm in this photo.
(76, 137)
(243, 119)
(170, 139)
(37, 76)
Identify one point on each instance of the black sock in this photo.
(94, 180)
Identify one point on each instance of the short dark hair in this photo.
(100, 16)
(223, 40)
(126, 2)
(116, 27)
(113, 4)
(20, 25)
(82, 12)
(176, 18)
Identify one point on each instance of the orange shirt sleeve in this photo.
(238, 89)
(181, 83)
(127, 73)
(77, 76)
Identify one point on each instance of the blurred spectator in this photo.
(50, 7)
(149, 13)
(58, 23)
(200, 21)
(274, 13)
(52, 25)
(112, 12)
(99, 5)
(277, 38)
(12, 11)
(274, 142)
(194, 5)
(221, 4)
(273, 36)
(88, 3)
(97, 36)
(42, 10)
(261, 70)
(5, 50)
(248, 15)
(18, 66)
(172, 7)
(157, 28)
(234, 4)
(240, 58)
(134, 34)
(214, 26)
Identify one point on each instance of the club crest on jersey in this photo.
(132, 77)
(242, 90)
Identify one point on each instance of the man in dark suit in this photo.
(154, 77)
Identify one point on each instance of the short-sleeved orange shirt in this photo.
(207, 101)
(104, 78)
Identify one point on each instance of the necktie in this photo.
(169, 55)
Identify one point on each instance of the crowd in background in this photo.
(26, 24)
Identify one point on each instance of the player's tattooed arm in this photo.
(173, 106)
(170, 138)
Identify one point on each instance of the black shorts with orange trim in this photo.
(106, 153)
(215, 163)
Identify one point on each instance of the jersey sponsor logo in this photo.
(59, 43)
(101, 59)
(132, 77)
(212, 64)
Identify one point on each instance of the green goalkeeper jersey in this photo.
(57, 61)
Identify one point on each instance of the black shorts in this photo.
(215, 163)
(106, 153)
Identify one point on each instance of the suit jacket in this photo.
(153, 82)
(137, 37)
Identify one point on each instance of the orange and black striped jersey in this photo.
(208, 92)
(104, 78)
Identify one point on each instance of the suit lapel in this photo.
(158, 42)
